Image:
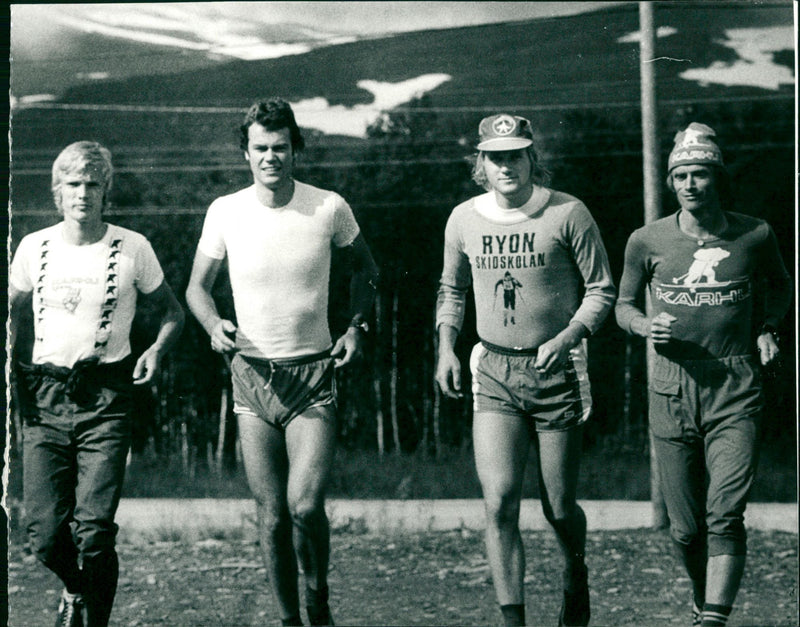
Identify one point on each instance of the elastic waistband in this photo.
(710, 363)
(288, 361)
(81, 380)
(502, 350)
(122, 369)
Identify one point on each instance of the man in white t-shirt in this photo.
(277, 235)
(81, 279)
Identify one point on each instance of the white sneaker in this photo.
(70, 610)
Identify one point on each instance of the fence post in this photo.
(652, 197)
(376, 378)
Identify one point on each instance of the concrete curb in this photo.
(166, 517)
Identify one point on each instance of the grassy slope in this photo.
(537, 62)
(520, 65)
(606, 473)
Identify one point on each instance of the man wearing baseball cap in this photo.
(701, 268)
(529, 378)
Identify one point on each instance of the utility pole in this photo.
(652, 198)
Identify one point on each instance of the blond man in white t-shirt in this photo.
(277, 236)
(81, 279)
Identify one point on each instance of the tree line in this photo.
(389, 401)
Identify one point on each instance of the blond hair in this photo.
(539, 174)
(79, 156)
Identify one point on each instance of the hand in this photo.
(147, 366)
(347, 348)
(552, 356)
(222, 337)
(448, 374)
(768, 350)
(661, 328)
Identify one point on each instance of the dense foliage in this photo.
(402, 183)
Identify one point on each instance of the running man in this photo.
(277, 235)
(702, 267)
(82, 278)
(529, 378)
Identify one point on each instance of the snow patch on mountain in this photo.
(319, 114)
(756, 66)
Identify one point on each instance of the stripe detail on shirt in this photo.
(110, 298)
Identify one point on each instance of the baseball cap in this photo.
(695, 146)
(504, 132)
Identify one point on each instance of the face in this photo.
(694, 187)
(508, 172)
(82, 193)
(270, 156)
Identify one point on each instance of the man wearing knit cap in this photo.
(529, 378)
(701, 268)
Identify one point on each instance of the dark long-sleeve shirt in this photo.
(708, 285)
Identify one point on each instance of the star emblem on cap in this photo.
(504, 125)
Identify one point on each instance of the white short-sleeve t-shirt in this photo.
(279, 264)
(84, 297)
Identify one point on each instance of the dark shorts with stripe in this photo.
(505, 381)
(279, 390)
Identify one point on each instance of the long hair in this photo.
(539, 174)
(272, 114)
(79, 156)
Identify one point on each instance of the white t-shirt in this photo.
(84, 297)
(279, 264)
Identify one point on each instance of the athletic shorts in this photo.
(278, 390)
(505, 381)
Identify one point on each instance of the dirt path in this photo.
(416, 579)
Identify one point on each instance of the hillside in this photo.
(525, 66)
(54, 49)
(175, 147)
(586, 64)
(567, 60)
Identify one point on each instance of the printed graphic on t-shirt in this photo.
(699, 286)
(67, 292)
(66, 296)
(514, 251)
(510, 286)
(507, 252)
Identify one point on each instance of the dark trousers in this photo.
(705, 416)
(74, 456)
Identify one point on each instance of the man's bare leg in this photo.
(267, 467)
(501, 444)
(311, 446)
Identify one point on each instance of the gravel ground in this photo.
(439, 578)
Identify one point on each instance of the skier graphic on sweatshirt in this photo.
(705, 261)
(510, 285)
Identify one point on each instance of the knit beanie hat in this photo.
(695, 146)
